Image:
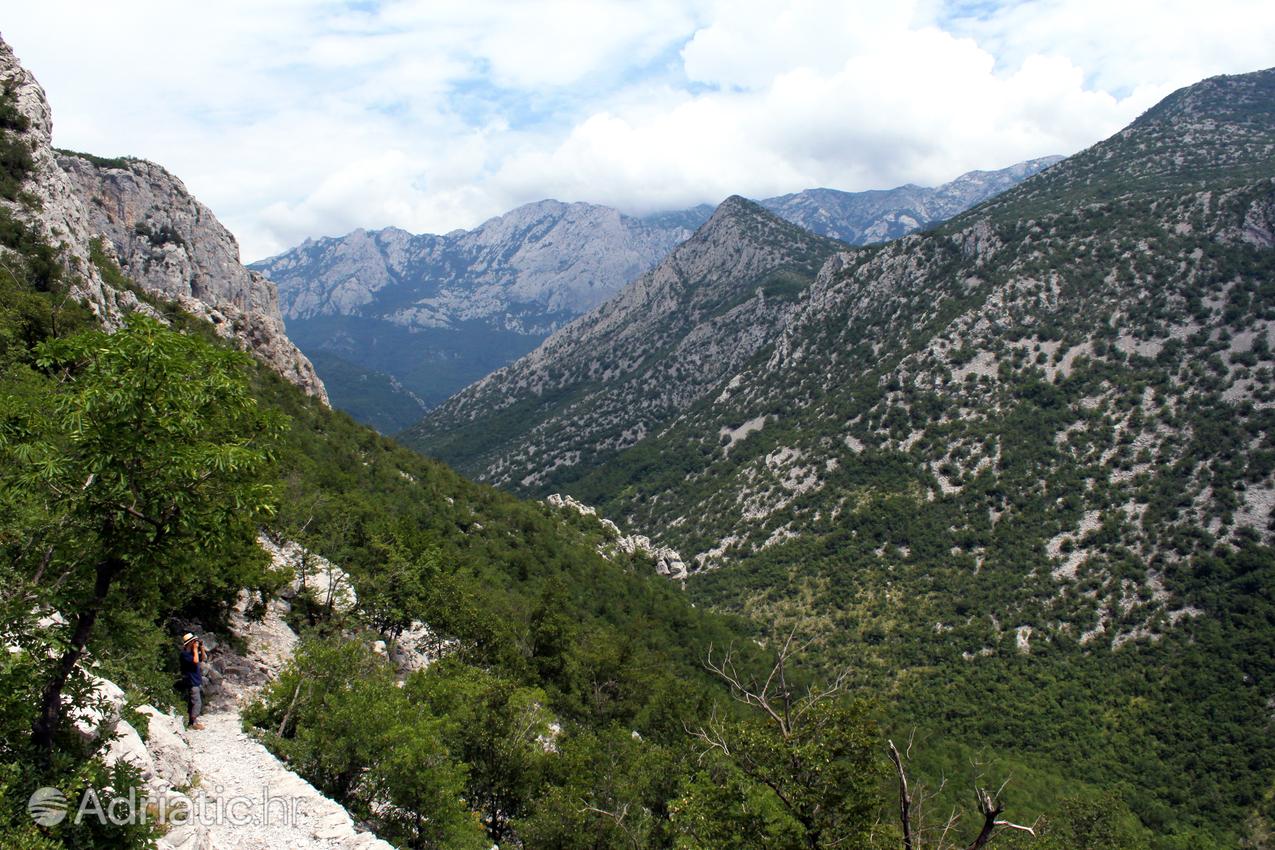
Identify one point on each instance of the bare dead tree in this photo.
(914, 797)
(774, 695)
(905, 797)
(786, 708)
(794, 715)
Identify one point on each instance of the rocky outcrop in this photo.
(415, 648)
(174, 247)
(55, 210)
(313, 575)
(162, 757)
(168, 243)
(667, 561)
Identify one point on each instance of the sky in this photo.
(306, 118)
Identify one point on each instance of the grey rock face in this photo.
(435, 313)
(520, 271)
(173, 246)
(59, 217)
(166, 241)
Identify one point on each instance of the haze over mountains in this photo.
(396, 323)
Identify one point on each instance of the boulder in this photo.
(169, 749)
(126, 745)
(103, 710)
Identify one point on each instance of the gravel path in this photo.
(253, 801)
(236, 774)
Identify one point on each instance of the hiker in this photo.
(193, 654)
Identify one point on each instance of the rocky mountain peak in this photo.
(1226, 99)
(642, 357)
(735, 205)
(739, 225)
(28, 94)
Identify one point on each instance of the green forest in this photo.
(582, 708)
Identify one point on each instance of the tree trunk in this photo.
(905, 796)
(50, 717)
(990, 807)
(287, 715)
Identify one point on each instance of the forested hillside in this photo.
(1017, 471)
(579, 701)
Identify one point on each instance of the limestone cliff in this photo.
(171, 245)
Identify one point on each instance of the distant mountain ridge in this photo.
(864, 218)
(519, 271)
(621, 371)
(437, 312)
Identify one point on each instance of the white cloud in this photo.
(1133, 43)
(294, 119)
(902, 102)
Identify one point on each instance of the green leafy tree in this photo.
(721, 807)
(498, 728)
(148, 459)
(604, 789)
(401, 589)
(812, 752)
(423, 787)
(1102, 822)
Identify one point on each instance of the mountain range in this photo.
(397, 323)
(1044, 431)
(1008, 482)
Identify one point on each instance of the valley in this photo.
(916, 518)
(1033, 431)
